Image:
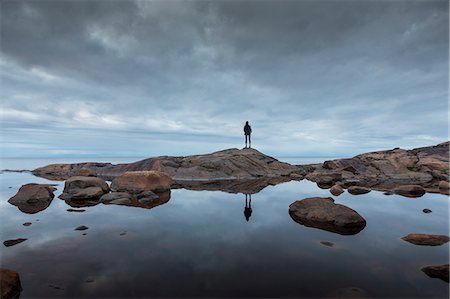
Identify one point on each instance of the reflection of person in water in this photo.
(247, 132)
(248, 206)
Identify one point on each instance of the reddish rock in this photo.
(426, 239)
(10, 284)
(136, 182)
(84, 188)
(33, 198)
(324, 214)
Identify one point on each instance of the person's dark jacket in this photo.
(247, 129)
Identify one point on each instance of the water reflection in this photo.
(248, 206)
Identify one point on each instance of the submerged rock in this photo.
(357, 190)
(33, 198)
(326, 243)
(410, 191)
(27, 224)
(426, 239)
(426, 211)
(84, 188)
(439, 271)
(136, 182)
(10, 284)
(324, 214)
(76, 210)
(336, 190)
(9, 243)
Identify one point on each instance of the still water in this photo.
(199, 244)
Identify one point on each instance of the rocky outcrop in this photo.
(137, 182)
(227, 165)
(426, 239)
(439, 271)
(145, 200)
(84, 188)
(410, 191)
(10, 284)
(387, 170)
(324, 214)
(33, 198)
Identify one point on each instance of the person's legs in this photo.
(245, 141)
(249, 141)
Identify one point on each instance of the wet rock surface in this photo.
(324, 214)
(426, 211)
(33, 198)
(440, 271)
(13, 242)
(426, 239)
(10, 283)
(82, 227)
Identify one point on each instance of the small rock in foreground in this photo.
(440, 271)
(76, 210)
(336, 190)
(10, 283)
(9, 243)
(326, 243)
(426, 211)
(426, 239)
(27, 224)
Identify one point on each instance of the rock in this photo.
(410, 190)
(9, 243)
(296, 176)
(336, 190)
(33, 198)
(136, 182)
(324, 214)
(10, 283)
(148, 195)
(356, 190)
(440, 271)
(388, 193)
(444, 187)
(326, 243)
(85, 172)
(81, 203)
(76, 210)
(121, 201)
(123, 233)
(82, 227)
(385, 170)
(426, 239)
(84, 188)
(27, 224)
(231, 164)
(426, 211)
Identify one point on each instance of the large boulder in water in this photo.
(33, 198)
(136, 182)
(10, 283)
(84, 188)
(324, 214)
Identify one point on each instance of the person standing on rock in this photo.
(247, 132)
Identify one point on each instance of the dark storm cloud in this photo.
(314, 77)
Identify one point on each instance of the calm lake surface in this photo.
(199, 244)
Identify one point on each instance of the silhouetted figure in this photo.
(248, 206)
(247, 132)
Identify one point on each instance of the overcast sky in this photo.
(145, 78)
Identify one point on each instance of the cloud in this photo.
(313, 78)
